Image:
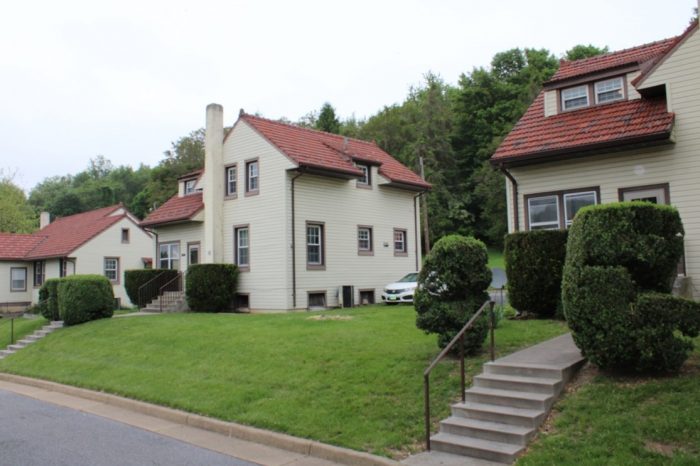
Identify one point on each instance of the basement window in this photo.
(366, 297)
(317, 300)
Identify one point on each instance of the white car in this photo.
(402, 290)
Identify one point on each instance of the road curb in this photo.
(231, 429)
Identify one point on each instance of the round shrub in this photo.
(134, 279)
(48, 299)
(451, 288)
(82, 298)
(620, 263)
(211, 287)
(534, 267)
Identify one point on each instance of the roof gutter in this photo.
(514, 191)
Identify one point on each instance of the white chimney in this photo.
(213, 180)
(44, 219)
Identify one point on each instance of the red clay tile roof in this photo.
(633, 56)
(326, 151)
(61, 237)
(191, 174)
(16, 246)
(650, 65)
(175, 209)
(617, 123)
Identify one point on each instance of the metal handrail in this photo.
(458, 338)
(146, 291)
(161, 292)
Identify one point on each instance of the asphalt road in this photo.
(35, 433)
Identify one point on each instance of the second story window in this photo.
(366, 179)
(252, 179)
(231, 180)
(314, 245)
(364, 240)
(189, 186)
(574, 97)
(125, 235)
(608, 90)
(400, 246)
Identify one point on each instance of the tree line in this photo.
(454, 129)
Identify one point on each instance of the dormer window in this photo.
(574, 97)
(366, 178)
(608, 90)
(189, 186)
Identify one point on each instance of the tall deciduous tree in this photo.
(584, 51)
(16, 215)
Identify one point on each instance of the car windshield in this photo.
(411, 277)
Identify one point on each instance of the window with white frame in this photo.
(364, 240)
(574, 97)
(18, 279)
(366, 179)
(314, 244)
(111, 268)
(543, 212)
(169, 256)
(400, 246)
(608, 90)
(231, 180)
(573, 202)
(189, 186)
(242, 247)
(252, 183)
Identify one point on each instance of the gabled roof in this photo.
(607, 126)
(632, 56)
(331, 152)
(61, 237)
(175, 209)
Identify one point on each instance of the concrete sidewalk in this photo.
(242, 442)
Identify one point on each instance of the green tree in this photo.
(16, 214)
(327, 120)
(584, 51)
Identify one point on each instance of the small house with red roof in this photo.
(104, 241)
(312, 219)
(615, 127)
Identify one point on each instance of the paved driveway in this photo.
(36, 433)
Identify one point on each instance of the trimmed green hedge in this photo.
(48, 299)
(620, 264)
(82, 298)
(534, 267)
(134, 279)
(211, 287)
(451, 288)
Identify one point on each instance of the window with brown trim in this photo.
(18, 279)
(366, 179)
(111, 269)
(574, 97)
(316, 299)
(241, 236)
(39, 273)
(365, 240)
(232, 181)
(315, 253)
(400, 242)
(125, 235)
(252, 177)
(169, 255)
(556, 210)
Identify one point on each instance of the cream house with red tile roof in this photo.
(620, 126)
(303, 213)
(105, 241)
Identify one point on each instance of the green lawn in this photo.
(626, 421)
(496, 259)
(22, 327)
(354, 380)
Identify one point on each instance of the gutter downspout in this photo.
(155, 255)
(416, 226)
(514, 183)
(294, 251)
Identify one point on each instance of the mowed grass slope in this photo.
(355, 382)
(624, 420)
(22, 327)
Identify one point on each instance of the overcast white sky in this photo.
(125, 78)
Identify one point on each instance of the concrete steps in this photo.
(175, 299)
(508, 402)
(29, 339)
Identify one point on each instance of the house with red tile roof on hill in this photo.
(312, 219)
(619, 126)
(105, 241)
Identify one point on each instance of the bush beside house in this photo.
(451, 288)
(534, 267)
(82, 298)
(620, 263)
(211, 287)
(48, 299)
